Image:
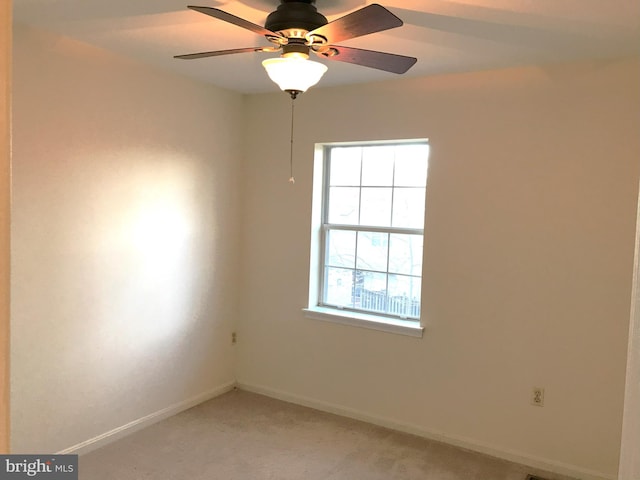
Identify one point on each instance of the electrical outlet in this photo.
(234, 338)
(537, 396)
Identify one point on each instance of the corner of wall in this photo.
(5, 201)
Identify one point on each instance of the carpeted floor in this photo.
(244, 436)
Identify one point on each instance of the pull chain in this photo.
(291, 179)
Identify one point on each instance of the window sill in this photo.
(374, 322)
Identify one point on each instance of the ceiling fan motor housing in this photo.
(295, 15)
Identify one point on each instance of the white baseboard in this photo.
(131, 427)
(550, 466)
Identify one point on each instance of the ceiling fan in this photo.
(296, 28)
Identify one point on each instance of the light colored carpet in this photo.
(244, 436)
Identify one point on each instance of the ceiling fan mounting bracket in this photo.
(325, 51)
(277, 39)
(314, 39)
(300, 40)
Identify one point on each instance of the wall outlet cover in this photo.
(537, 396)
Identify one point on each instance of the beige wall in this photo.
(5, 195)
(125, 223)
(530, 223)
(125, 219)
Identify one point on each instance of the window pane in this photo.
(343, 205)
(411, 165)
(374, 187)
(345, 166)
(376, 207)
(370, 291)
(372, 251)
(377, 166)
(405, 254)
(341, 248)
(338, 287)
(408, 207)
(404, 296)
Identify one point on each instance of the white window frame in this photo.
(315, 309)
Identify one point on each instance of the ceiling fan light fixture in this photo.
(294, 74)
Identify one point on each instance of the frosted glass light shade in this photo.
(294, 74)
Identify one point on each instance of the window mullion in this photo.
(393, 190)
(370, 228)
(355, 260)
(360, 187)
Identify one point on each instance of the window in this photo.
(369, 202)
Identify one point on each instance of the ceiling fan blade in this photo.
(370, 19)
(217, 53)
(227, 17)
(389, 62)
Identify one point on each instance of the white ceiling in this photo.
(445, 35)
